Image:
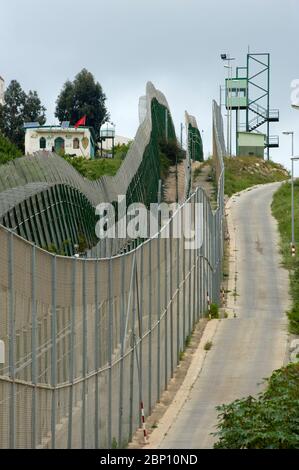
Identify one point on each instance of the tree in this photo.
(17, 109)
(82, 97)
(11, 113)
(8, 151)
(33, 110)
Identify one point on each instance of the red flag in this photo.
(81, 122)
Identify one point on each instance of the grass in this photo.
(244, 172)
(214, 311)
(188, 341)
(169, 153)
(94, 169)
(281, 209)
(208, 345)
(197, 172)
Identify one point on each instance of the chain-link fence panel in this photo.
(87, 340)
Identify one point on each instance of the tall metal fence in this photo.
(87, 339)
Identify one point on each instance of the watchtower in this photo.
(249, 93)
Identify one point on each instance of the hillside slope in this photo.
(243, 172)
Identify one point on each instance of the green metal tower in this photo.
(258, 112)
(249, 93)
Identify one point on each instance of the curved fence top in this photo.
(218, 135)
(48, 167)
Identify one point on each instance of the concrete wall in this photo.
(251, 143)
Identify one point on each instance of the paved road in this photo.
(246, 348)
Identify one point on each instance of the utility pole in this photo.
(228, 59)
(291, 133)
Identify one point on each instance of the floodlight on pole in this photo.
(293, 249)
(292, 134)
(228, 59)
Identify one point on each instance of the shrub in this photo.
(208, 345)
(214, 312)
(8, 151)
(268, 422)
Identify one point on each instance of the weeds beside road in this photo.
(281, 209)
(243, 172)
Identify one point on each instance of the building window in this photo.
(42, 143)
(75, 143)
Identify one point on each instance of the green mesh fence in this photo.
(138, 179)
(144, 185)
(195, 144)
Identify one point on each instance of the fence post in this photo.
(194, 267)
(171, 293)
(72, 352)
(178, 241)
(33, 344)
(140, 317)
(184, 283)
(53, 355)
(198, 265)
(150, 286)
(110, 342)
(122, 352)
(190, 281)
(11, 346)
(84, 354)
(166, 315)
(133, 287)
(206, 254)
(159, 317)
(97, 352)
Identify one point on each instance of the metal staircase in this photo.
(261, 116)
(258, 108)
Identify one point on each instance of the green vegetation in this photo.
(19, 108)
(170, 153)
(281, 209)
(8, 151)
(94, 169)
(208, 345)
(121, 150)
(114, 443)
(243, 172)
(268, 422)
(188, 340)
(214, 313)
(197, 172)
(82, 97)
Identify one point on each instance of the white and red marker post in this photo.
(209, 304)
(143, 422)
(223, 296)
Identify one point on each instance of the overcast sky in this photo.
(176, 44)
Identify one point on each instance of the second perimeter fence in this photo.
(86, 340)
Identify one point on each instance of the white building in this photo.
(2, 89)
(78, 142)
